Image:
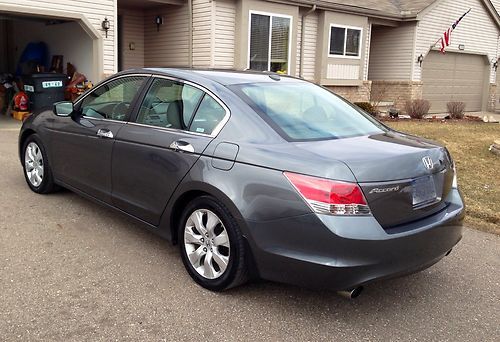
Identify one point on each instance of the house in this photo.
(357, 48)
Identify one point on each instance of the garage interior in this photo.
(32, 45)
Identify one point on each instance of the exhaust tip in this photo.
(352, 293)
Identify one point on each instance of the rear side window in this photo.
(176, 105)
(169, 104)
(301, 111)
(209, 115)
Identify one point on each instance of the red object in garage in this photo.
(21, 101)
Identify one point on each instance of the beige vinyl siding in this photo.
(299, 44)
(367, 52)
(94, 11)
(132, 32)
(477, 31)
(214, 25)
(170, 45)
(310, 45)
(225, 33)
(202, 33)
(391, 52)
(496, 4)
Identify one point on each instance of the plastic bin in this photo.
(44, 89)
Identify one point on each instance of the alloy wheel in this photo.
(206, 242)
(33, 161)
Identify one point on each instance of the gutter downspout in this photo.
(190, 33)
(302, 38)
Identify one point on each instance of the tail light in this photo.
(326, 196)
(455, 180)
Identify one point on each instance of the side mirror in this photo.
(64, 108)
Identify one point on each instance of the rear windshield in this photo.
(303, 111)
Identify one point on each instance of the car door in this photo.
(154, 152)
(82, 144)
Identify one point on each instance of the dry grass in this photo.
(478, 169)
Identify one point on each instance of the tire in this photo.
(37, 171)
(217, 259)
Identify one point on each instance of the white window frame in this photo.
(360, 48)
(271, 15)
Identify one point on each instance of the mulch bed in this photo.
(467, 118)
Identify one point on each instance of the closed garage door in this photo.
(454, 77)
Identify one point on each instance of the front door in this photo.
(82, 145)
(152, 154)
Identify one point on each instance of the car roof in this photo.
(223, 77)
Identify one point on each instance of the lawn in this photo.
(478, 169)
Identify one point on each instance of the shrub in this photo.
(456, 109)
(416, 109)
(367, 107)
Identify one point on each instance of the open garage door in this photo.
(454, 77)
(66, 35)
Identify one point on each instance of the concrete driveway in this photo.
(73, 271)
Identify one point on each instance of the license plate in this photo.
(52, 84)
(424, 191)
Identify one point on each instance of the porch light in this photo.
(106, 25)
(420, 59)
(158, 22)
(495, 65)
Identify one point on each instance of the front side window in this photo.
(112, 100)
(269, 42)
(345, 41)
(169, 104)
(304, 112)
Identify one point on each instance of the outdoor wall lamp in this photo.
(106, 25)
(495, 65)
(158, 22)
(420, 59)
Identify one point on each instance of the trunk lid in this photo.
(403, 178)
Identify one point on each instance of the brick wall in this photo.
(354, 94)
(397, 92)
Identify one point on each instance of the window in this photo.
(345, 41)
(208, 116)
(301, 111)
(169, 104)
(112, 100)
(269, 42)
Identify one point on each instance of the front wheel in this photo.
(36, 166)
(212, 246)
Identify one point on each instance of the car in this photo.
(253, 175)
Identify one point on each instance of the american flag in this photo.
(445, 40)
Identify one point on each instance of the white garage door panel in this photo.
(453, 77)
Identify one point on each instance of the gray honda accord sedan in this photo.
(252, 175)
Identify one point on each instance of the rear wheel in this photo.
(36, 167)
(212, 246)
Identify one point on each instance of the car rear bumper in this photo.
(340, 253)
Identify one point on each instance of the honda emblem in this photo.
(428, 163)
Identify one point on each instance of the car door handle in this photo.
(182, 146)
(105, 133)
